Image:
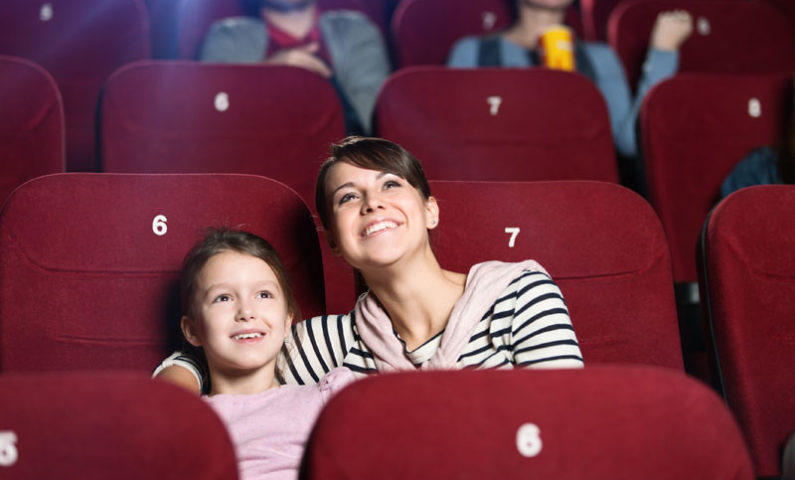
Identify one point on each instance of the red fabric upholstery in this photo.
(599, 423)
(110, 425)
(601, 243)
(729, 36)
(164, 116)
(694, 129)
(179, 26)
(86, 282)
(424, 31)
(750, 278)
(594, 14)
(499, 124)
(31, 124)
(80, 43)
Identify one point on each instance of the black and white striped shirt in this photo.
(527, 326)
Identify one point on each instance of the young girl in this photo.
(238, 307)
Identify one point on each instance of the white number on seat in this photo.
(754, 108)
(489, 19)
(494, 104)
(45, 14)
(222, 101)
(528, 440)
(8, 449)
(159, 225)
(514, 231)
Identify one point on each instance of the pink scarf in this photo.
(485, 282)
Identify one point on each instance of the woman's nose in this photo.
(371, 202)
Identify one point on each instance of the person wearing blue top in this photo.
(516, 47)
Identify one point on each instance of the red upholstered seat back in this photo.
(179, 26)
(695, 129)
(598, 423)
(750, 280)
(80, 43)
(600, 242)
(424, 31)
(110, 425)
(594, 14)
(178, 116)
(499, 124)
(728, 36)
(31, 124)
(89, 263)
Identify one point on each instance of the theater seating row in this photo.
(89, 264)
(600, 423)
(183, 117)
(733, 36)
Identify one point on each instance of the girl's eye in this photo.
(264, 294)
(222, 298)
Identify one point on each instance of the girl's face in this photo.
(240, 314)
(377, 218)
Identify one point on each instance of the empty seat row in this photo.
(600, 422)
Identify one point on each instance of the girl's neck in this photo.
(247, 383)
(418, 297)
(532, 21)
(297, 23)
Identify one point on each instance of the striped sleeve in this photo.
(541, 330)
(314, 347)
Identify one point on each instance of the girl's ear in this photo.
(431, 213)
(190, 331)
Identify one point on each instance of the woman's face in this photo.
(377, 218)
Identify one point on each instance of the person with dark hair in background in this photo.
(343, 46)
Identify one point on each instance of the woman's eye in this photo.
(345, 198)
(391, 184)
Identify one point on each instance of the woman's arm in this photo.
(181, 369)
(543, 336)
(314, 347)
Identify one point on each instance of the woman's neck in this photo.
(297, 23)
(418, 297)
(245, 383)
(532, 21)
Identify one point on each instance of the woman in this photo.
(375, 204)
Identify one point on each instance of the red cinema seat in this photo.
(728, 36)
(748, 281)
(424, 31)
(616, 423)
(80, 43)
(188, 117)
(89, 263)
(600, 242)
(31, 124)
(595, 14)
(499, 124)
(179, 26)
(109, 425)
(695, 129)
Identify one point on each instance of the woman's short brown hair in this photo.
(373, 154)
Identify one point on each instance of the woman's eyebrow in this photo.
(344, 185)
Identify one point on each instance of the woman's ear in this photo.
(332, 243)
(190, 331)
(431, 213)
